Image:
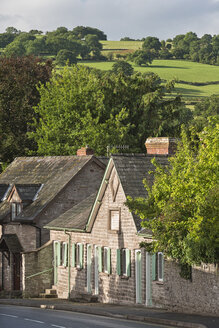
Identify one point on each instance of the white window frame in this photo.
(64, 254)
(116, 227)
(79, 255)
(16, 209)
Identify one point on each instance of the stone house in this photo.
(34, 191)
(97, 253)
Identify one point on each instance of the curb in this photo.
(162, 321)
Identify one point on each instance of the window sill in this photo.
(117, 232)
(124, 277)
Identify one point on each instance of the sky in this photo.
(116, 18)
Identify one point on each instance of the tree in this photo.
(151, 43)
(142, 57)
(64, 56)
(12, 30)
(182, 205)
(204, 109)
(15, 49)
(80, 32)
(18, 94)
(93, 44)
(82, 106)
(122, 67)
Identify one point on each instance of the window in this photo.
(158, 266)
(77, 255)
(15, 210)
(114, 220)
(107, 260)
(123, 262)
(64, 254)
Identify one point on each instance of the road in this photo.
(25, 317)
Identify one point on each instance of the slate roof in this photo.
(10, 242)
(3, 189)
(28, 191)
(132, 169)
(76, 217)
(53, 172)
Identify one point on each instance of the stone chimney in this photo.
(161, 146)
(85, 151)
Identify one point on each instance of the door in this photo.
(138, 276)
(89, 268)
(16, 270)
(57, 258)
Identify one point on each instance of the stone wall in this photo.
(198, 295)
(26, 234)
(35, 262)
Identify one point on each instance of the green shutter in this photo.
(100, 264)
(81, 251)
(153, 266)
(118, 261)
(128, 262)
(58, 253)
(109, 260)
(73, 255)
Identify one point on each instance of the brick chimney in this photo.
(85, 151)
(161, 146)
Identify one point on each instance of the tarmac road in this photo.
(27, 317)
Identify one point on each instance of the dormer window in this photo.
(16, 209)
(22, 195)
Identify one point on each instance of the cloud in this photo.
(117, 18)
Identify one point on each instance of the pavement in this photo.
(136, 313)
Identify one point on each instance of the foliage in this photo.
(64, 56)
(151, 43)
(18, 94)
(84, 106)
(81, 31)
(182, 205)
(207, 107)
(142, 57)
(122, 67)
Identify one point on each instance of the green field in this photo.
(179, 70)
(123, 45)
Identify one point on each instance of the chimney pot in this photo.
(161, 146)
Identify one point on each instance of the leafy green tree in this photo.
(64, 56)
(93, 44)
(5, 39)
(151, 43)
(36, 47)
(204, 109)
(15, 49)
(182, 205)
(84, 106)
(142, 57)
(18, 94)
(122, 67)
(12, 30)
(80, 32)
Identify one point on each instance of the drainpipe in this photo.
(69, 268)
